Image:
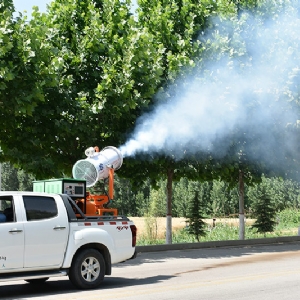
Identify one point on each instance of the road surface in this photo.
(269, 272)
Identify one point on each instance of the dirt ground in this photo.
(157, 226)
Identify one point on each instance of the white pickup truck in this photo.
(45, 235)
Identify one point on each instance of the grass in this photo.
(288, 223)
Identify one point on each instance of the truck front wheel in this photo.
(88, 269)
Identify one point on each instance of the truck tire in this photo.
(88, 269)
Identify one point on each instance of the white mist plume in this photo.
(249, 92)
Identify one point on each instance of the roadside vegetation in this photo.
(88, 73)
(198, 202)
(287, 223)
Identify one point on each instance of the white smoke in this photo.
(248, 92)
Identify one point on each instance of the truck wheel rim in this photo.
(90, 269)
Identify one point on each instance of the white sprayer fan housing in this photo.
(96, 166)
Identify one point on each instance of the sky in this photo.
(21, 5)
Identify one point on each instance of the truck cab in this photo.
(34, 233)
(45, 235)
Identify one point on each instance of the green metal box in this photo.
(72, 187)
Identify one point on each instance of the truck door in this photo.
(46, 231)
(11, 236)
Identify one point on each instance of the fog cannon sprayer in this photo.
(97, 164)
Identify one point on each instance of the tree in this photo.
(157, 198)
(175, 26)
(126, 200)
(181, 197)
(223, 199)
(16, 61)
(30, 68)
(242, 58)
(195, 217)
(25, 181)
(265, 213)
(84, 72)
(13, 179)
(220, 58)
(284, 192)
(9, 178)
(76, 76)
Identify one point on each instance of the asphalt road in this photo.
(269, 272)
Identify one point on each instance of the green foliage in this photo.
(25, 181)
(174, 27)
(157, 200)
(221, 232)
(9, 178)
(82, 74)
(183, 193)
(285, 193)
(288, 218)
(195, 217)
(264, 212)
(14, 179)
(224, 199)
(218, 199)
(76, 76)
(232, 41)
(125, 200)
(181, 197)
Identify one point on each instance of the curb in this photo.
(218, 244)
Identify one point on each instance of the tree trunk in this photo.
(169, 206)
(241, 206)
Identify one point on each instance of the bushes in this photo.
(288, 218)
(287, 223)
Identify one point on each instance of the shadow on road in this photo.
(22, 290)
(222, 257)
